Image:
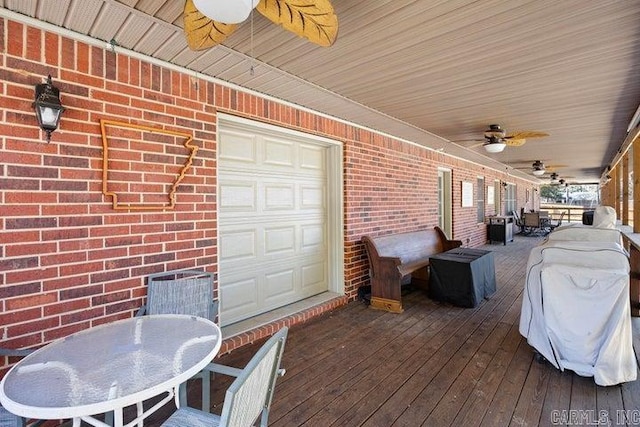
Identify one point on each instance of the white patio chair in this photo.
(249, 396)
(7, 419)
(183, 292)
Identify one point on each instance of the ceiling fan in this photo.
(556, 179)
(496, 138)
(209, 22)
(538, 168)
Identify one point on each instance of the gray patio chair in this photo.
(183, 292)
(7, 419)
(518, 221)
(249, 396)
(553, 224)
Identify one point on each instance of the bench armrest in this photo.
(447, 243)
(387, 267)
(452, 244)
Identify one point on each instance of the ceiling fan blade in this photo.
(469, 140)
(314, 20)
(202, 32)
(551, 167)
(514, 142)
(479, 144)
(524, 134)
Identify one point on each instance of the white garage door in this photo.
(272, 200)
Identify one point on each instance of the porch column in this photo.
(615, 189)
(636, 185)
(625, 189)
(634, 247)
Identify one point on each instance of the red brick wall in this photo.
(69, 260)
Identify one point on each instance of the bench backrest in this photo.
(409, 246)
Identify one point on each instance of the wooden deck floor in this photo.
(433, 365)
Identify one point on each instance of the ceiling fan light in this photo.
(225, 11)
(495, 131)
(538, 172)
(494, 147)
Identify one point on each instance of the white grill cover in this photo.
(576, 310)
(604, 217)
(585, 233)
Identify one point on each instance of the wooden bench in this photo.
(395, 257)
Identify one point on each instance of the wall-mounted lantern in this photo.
(48, 107)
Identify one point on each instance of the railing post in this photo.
(634, 279)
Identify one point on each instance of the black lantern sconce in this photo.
(48, 107)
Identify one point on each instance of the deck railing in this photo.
(572, 213)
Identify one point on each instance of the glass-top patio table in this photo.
(109, 367)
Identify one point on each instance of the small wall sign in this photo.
(467, 194)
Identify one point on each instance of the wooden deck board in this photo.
(341, 364)
(505, 398)
(530, 404)
(557, 396)
(370, 374)
(373, 387)
(474, 409)
(462, 388)
(330, 376)
(464, 337)
(432, 365)
(455, 366)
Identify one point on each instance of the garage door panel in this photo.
(279, 153)
(238, 245)
(313, 238)
(238, 196)
(279, 241)
(312, 196)
(279, 197)
(312, 157)
(272, 241)
(237, 147)
(273, 173)
(239, 294)
(242, 268)
(314, 276)
(279, 285)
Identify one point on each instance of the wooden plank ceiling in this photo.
(431, 72)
